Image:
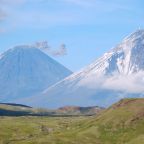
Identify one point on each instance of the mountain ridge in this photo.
(103, 82)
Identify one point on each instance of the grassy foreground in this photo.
(122, 123)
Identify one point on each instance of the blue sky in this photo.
(87, 27)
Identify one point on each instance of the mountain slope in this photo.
(25, 71)
(117, 74)
(122, 123)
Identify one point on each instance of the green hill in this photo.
(122, 123)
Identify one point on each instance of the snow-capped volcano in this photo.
(126, 58)
(117, 74)
(25, 71)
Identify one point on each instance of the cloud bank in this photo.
(133, 83)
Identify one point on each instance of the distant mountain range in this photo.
(11, 109)
(117, 74)
(30, 77)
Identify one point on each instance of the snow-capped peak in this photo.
(135, 35)
(126, 58)
(130, 53)
(117, 74)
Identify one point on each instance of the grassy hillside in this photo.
(122, 123)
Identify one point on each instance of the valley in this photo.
(121, 123)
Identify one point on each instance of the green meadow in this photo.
(122, 123)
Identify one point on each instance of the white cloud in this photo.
(133, 83)
(93, 81)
